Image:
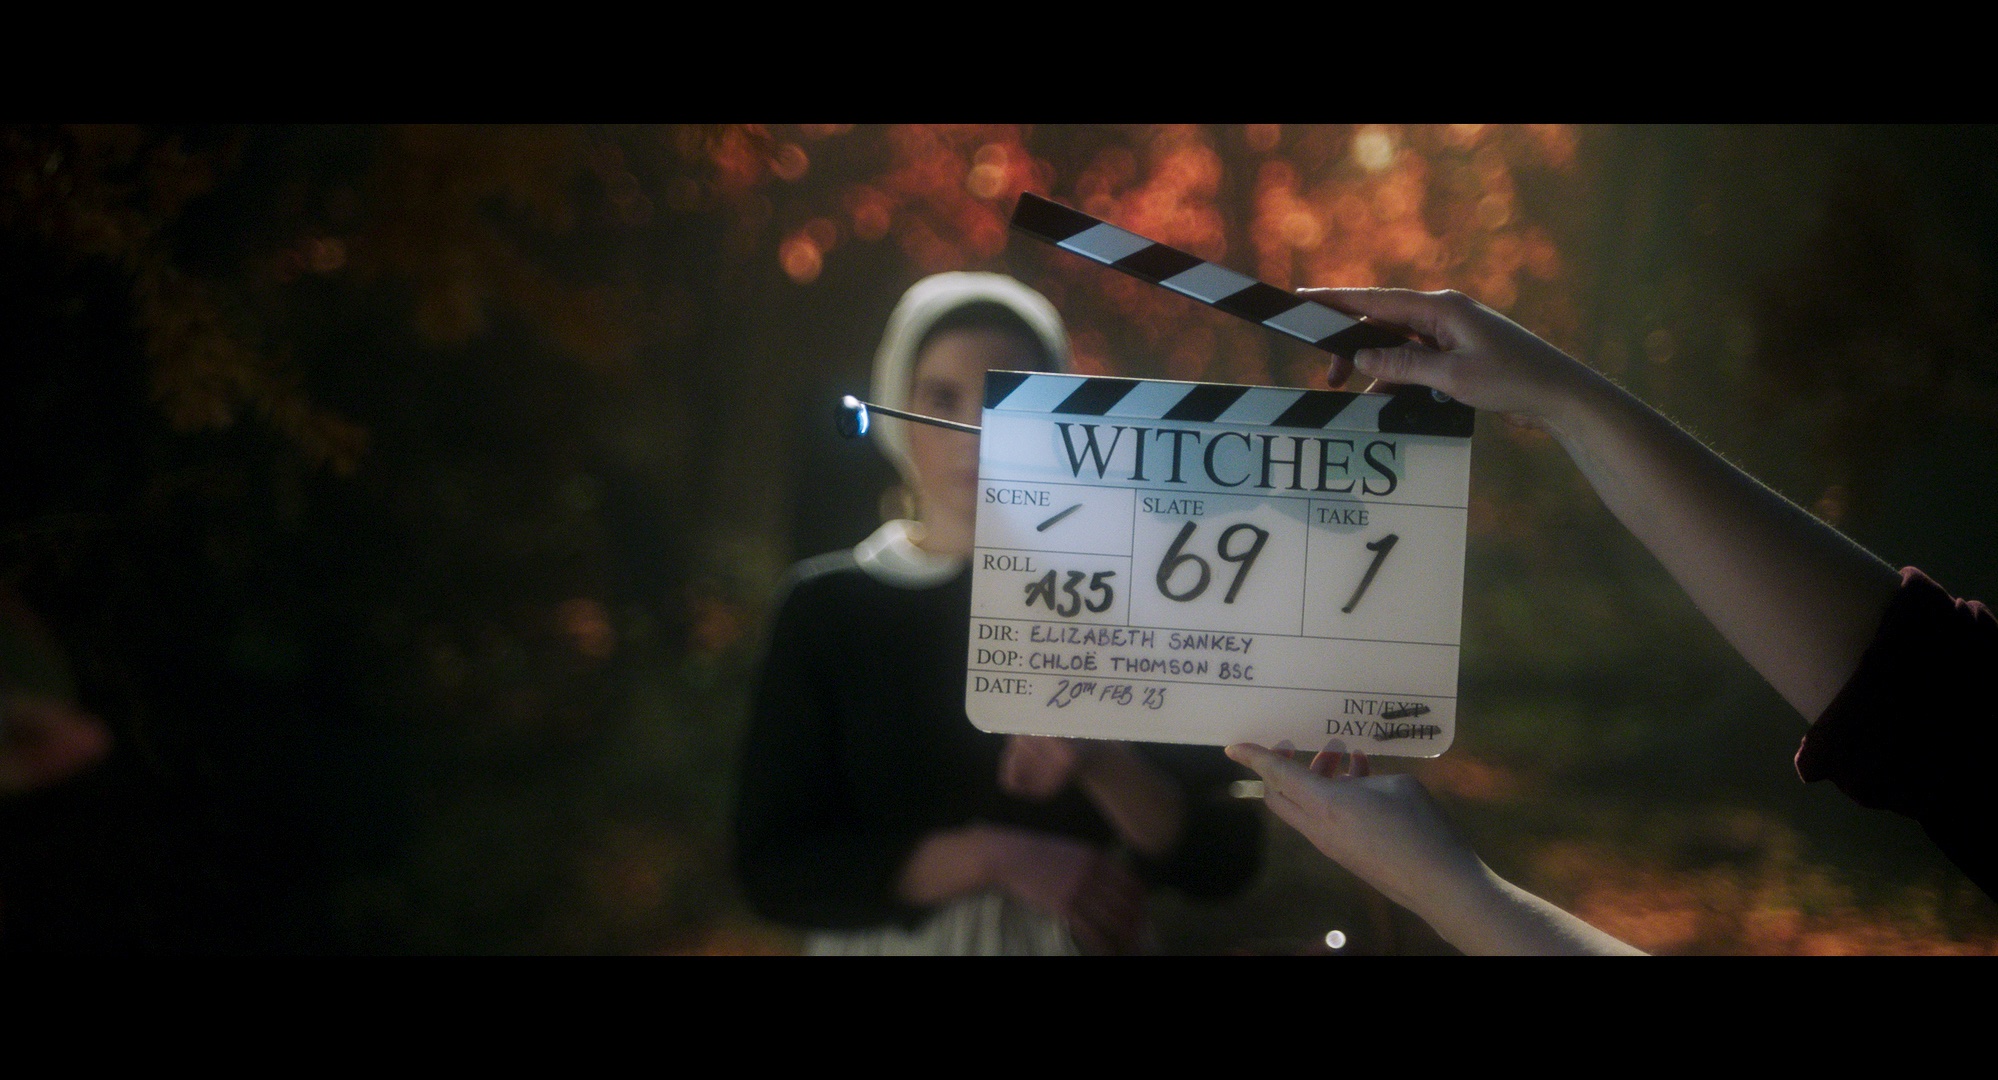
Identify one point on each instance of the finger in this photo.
(1116, 917)
(1326, 763)
(1111, 902)
(1009, 770)
(1278, 771)
(1109, 910)
(1404, 364)
(1340, 371)
(1360, 766)
(1087, 935)
(1424, 313)
(1105, 935)
(46, 741)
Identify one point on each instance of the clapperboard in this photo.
(1201, 563)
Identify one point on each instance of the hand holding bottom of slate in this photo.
(1388, 830)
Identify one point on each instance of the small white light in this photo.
(1335, 939)
(1246, 789)
(852, 419)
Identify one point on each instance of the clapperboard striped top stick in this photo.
(1217, 286)
(1408, 410)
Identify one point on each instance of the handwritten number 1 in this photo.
(1380, 548)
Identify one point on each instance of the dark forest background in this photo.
(407, 499)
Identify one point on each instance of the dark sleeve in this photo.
(802, 857)
(1222, 846)
(1912, 730)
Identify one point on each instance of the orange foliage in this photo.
(1780, 908)
(1465, 777)
(1419, 206)
(433, 186)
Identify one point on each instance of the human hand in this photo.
(44, 740)
(1468, 351)
(1093, 893)
(1386, 829)
(1037, 767)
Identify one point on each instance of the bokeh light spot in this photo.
(1301, 229)
(871, 211)
(1463, 134)
(1373, 149)
(986, 181)
(1659, 346)
(802, 260)
(587, 626)
(790, 162)
(325, 255)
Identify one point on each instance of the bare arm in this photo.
(1390, 832)
(1795, 597)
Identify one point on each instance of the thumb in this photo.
(1410, 363)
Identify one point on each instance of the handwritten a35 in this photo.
(1043, 590)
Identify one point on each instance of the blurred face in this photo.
(950, 383)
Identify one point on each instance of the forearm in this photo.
(1144, 805)
(1483, 914)
(946, 865)
(1796, 598)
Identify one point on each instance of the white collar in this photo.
(892, 558)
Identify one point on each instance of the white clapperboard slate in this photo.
(1200, 563)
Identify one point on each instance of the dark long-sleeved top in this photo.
(859, 747)
(1913, 730)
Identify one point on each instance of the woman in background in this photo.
(871, 812)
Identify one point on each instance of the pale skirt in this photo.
(988, 924)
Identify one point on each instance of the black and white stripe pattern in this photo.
(1407, 411)
(1240, 296)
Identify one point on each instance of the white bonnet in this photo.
(926, 302)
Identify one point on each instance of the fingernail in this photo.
(1237, 752)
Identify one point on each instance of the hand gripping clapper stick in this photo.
(1243, 297)
(1217, 286)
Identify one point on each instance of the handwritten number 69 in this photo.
(1244, 557)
